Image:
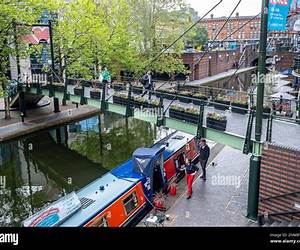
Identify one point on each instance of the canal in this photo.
(42, 167)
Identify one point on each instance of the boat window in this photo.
(100, 222)
(130, 203)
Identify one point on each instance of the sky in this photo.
(246, 7)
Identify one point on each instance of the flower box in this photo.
(188, 115)
(86, 83)
(185, 97)
(95, 94)
(216, 121)
(120, 99)
(221, 104)
(198, 98)
(235, 107)
(78, 91)
(137, 90)
(118, 87)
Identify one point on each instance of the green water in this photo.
(42, 167)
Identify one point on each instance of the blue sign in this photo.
(278, 12)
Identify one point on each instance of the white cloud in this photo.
(246, 7)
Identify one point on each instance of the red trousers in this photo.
(190, 179)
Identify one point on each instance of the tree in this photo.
(160, 22)
(198, 37)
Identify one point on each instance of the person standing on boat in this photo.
(204, 153)
(191, 169)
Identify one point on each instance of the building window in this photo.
(100, 222)
(130, 203)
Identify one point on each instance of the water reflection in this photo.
(40, 168)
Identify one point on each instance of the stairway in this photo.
(282, 224)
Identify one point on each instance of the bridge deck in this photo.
(219, 77)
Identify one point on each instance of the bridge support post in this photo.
(56, 105)
(22, 104)
(255, 161)
(103, 98)
(161, 117)
(200, 129)
(129, 109)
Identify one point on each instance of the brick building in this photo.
(251, 31)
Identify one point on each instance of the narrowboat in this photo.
(123, 196)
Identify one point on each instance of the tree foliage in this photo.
(121, 34)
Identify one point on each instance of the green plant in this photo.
(198, 95)
(240, 101)
(155, 102)
(192, 111)
(222, 98)
(121, 95)
(96, 90)
(177, 107)
(186, 93)
(216, 116)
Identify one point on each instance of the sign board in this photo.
(284, 15)
(56, 213)
(278, 13)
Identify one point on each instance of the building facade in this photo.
(249, 31)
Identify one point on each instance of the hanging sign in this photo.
(278, 13)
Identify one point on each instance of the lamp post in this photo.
(255, 160)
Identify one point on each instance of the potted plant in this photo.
(191, 115)
(155, 103)
(239, 106)
(176, 112)
(266, 111)
(95, 93)
(216, 121)
(120, 98)
(169, 94)
(118, 86)
(222, 103)
(137, 89)
(198, 97)
(185, 97)
(78, 90)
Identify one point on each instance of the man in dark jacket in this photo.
(204, 152)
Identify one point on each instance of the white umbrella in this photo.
(280, 76)
(284, 96)
(282, 83)
(284, 89)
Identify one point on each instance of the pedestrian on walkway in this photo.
(106, 78)
(204, 153)
(191, 169)
(148, 84)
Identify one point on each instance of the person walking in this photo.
(204, 153)
(190, 170)
(106, 78)
(148, 84)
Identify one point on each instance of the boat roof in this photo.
(119, 180)
(95, 200)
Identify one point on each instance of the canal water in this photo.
(42, 167)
